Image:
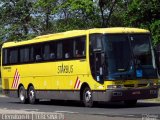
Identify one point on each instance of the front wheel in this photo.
(32, 95)
(87, 97)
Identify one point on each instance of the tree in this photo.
(145, 14)
(15, 19)
(106, 10)
(43, 10)
(23, 19)
(77, 14)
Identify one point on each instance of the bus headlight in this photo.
(114, 86)
(153, 84)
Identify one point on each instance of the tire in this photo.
(87, 97)
(22, 95)
(130, 103)
(32, 95)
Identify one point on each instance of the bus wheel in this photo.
(87, 97)
(22, 95)
(130, 102)
(31, 95)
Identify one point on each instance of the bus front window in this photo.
(126, 54)
(118, 55)
(141, 49)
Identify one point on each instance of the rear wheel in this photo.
(32, 95)
(130, 102)
(87, 97)
(22, 95)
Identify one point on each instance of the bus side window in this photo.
(59, 50)
(52, 56)
(79, 47)
(46, 52)
(5, 56)
(38, 52)
(78, 53)
(67, 55)
(68, 48)
(24, 54)
(38, 58)
(13, 56)
(54, 47)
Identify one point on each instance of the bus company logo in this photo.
(77, 84)
(16, 79)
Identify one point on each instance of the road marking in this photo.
(130, 115)
(66, 112)
(29, 109)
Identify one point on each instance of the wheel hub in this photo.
(31, 94)
(21, 96)
(88, 96)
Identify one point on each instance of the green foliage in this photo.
(141, 12)
(145, 14)
(24, 19)
(155, 30)
(15, 19)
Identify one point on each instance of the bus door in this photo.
(97, 57)
(98, 63)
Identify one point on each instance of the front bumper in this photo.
(125, 94)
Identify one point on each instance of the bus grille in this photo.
(142, 85)
(129, 85)
(135, 85)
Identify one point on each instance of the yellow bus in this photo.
(101, 64)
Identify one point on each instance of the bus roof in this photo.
(118, 30)
(73, 33)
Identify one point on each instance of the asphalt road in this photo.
(72, 110)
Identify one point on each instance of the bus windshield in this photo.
(118, 53)
(126, 54)
(141, 49)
